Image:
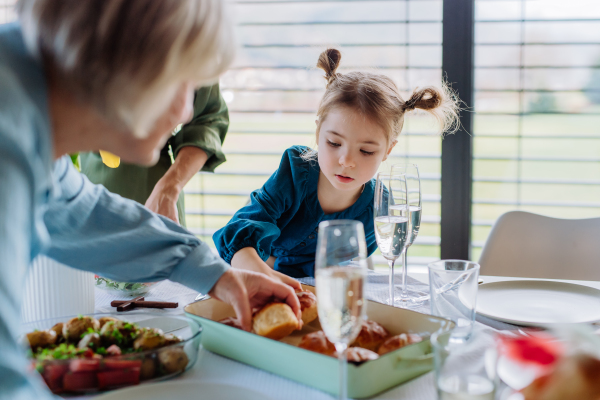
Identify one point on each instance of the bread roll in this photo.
(308, 306)
(358, 354)
(371, 336)
(397, 342)
(317, 342)
(275, 321)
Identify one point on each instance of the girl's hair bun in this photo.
(442, 103)
(425, 99)
(329, 60)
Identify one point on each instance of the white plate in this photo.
(537, 303)
(183, 390)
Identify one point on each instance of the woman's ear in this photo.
(389, 151)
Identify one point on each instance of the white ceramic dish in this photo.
(183, 390)
(538, 302)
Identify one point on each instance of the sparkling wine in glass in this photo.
(341, 272)
(391, 231)
(407, 204)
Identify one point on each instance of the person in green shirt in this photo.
(196, 147)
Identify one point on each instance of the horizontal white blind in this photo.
(273, 91)
(7, 11)
(537, 120)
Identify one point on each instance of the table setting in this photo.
(475, 333)
(214, 371)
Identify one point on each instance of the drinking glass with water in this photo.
(341, 272)
(407, 203)
(391, 231)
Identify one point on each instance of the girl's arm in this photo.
(247, 258)
(246, 241)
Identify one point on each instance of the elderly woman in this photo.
(116, 75)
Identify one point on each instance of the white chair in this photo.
(529, 245)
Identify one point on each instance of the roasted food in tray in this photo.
(88, 354)
(276, 321)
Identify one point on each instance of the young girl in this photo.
(359, 119)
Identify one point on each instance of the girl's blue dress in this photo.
(283, 216)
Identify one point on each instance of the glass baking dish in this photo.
(84, 373)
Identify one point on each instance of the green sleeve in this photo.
(207, 129)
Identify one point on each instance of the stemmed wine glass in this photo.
(341, 271)
(409, 207)
(391, 231)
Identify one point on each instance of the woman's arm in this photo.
(95, 230)
(197, 146)
(19, 223)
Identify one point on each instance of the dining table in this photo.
(212, 368)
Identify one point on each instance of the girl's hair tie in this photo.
(410, 104)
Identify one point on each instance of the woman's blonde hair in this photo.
(127, 58)
(377, 97)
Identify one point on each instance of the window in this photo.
(537, 120)
(536, 132)
(7, 11)
(274, 88)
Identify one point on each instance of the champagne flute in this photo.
(341, 271)
(409, 207)
(391, 231)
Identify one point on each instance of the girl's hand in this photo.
(248, 259)
(283, 278)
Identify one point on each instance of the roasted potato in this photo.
(78, 326)
(148, 369)
(173, 359)
(104, 320)
(149, 339)
(41, 339)
(171, 339)
(118, 332)
(58, 329)
(91, 340)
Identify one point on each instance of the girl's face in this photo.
(351, 148)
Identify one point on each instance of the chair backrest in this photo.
(529, 245)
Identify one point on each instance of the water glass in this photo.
(341, 272)
(453, 290)
(391, 229)
(410, 207)
(467, 370)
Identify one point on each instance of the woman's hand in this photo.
(246, 290)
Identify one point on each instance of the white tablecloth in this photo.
(213, 368)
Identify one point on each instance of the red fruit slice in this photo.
(84, 364)
(122, 364)
(80, 381)
(118, 377)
